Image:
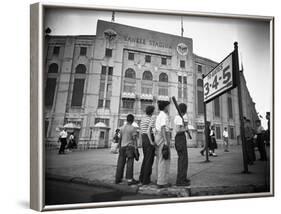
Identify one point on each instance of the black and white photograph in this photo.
(151, 107)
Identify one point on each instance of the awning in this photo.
(71, 126)
(128, 95)
(163, 98)
(146, 97)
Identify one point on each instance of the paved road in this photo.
(224, 170)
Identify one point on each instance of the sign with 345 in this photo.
(219, 80)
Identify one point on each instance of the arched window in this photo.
(199, 83)
(53, 68)
(147, 75)
(163, 77)
(80, 69)
(130, 73)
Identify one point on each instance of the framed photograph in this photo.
(135, 106)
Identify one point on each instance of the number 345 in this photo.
(226, 75)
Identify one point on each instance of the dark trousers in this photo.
(261, 147)
(126, 156)
(181, 147)
(63, 143)
(250, 150)
(148, 159)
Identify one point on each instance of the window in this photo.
(163, 91)
(200, 83)
(147, 58)
(231, 132)
(80, 69)
(217, 107)
(199, 68)
(182, 64)
(179, 92)
(105, 87)
(184, 92)
(129, 88)
(108, 52)
(180, 79)
(145, 103)
(164, 61)
(56, 51)
(147, 75)
(120, 122)
(77, 94)
(184, 80)
(53, 68)
(163, 77)
(100, 103)
(130, 73)
(128, 104)
(103, 70)
(146, 89)
(218, 132)
(110, 73)
(200, 104)
(50, 91)
(230, 110)
(83, 51)
(107, 103)
(131, 56)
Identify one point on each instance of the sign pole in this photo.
(205, 131)
(240, 104)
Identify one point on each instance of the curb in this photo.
(170, 192)
(79, 180)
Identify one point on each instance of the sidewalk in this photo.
(220, 176)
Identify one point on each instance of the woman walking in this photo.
(146, 126)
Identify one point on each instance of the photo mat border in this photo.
(37, 150)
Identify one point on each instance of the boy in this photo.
(127, 149)
(181, 147)
(162, 141)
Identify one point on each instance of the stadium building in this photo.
(93, 81)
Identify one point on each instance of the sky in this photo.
(213, 38)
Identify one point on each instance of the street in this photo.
(206, 178)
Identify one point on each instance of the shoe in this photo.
(118, 182)
(163, 186)
(133, 182)
(185, 183)
(202, 153)
(214, 155)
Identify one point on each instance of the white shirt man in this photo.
(63, 134)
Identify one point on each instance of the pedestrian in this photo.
(147, 125)
(181, 147)
(63, 141)
(225, 140)
(71, 142)
(260, 140)
(213, 143)
(127, 151)
(208, 140)
(267, 133)
(249, 136)
(162, 141)
(115, 145)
